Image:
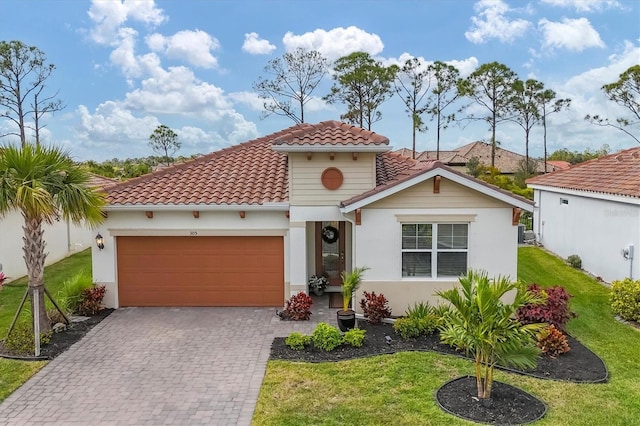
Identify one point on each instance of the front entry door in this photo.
(330, 256)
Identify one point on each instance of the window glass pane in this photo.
(416, 264)
(452, 264)
(452, 236)
(424, 236)
(409, 237)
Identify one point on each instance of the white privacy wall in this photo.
(594, 229)
(492, 247)
(62, 239)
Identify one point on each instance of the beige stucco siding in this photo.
(305, 186)
(452, 195)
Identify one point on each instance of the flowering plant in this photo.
(3, 277)
(317, 283)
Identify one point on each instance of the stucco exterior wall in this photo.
(62, 239)
(178, 223)
(492, 247)
(594, 229)
(305, 186)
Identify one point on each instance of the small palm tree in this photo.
(484, 326)
(44, 184)
(350, 283)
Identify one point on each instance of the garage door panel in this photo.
(200, 271)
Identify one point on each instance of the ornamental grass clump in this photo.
(484, 326)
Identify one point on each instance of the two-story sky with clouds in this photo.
(125, 67)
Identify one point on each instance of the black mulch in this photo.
(509, 405)
(61, 341)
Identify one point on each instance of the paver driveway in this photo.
(157, 366)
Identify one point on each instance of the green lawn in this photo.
(15, 373)
(399, 389)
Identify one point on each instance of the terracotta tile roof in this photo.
(328, 133)
(249, 173)
(97, 181)
(506, 161)
(559, 164)
(392, 167)
(409, 170)
(617, 174)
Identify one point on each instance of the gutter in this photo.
(278, 207)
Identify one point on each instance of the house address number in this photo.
(193, 233)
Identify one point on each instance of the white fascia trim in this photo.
(587, 194)
(331, 148)
(448, 175)
(278, 207)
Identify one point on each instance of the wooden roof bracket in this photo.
(309, 155)
(354, 155)
(436, 184)
(196, 214)
(242, 214)
(149, 214)
(332, 156)
(358, 216)
(515, 216)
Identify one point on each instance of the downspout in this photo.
(539, 206)
(68, 237)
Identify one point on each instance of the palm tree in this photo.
(44, 184)
(484, 326)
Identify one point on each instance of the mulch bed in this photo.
(61, 341)
(509, 405)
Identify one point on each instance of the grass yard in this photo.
(399, 389)
(15, 373)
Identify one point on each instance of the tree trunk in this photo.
(34, 257)
(544, 126)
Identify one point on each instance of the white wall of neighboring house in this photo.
(492, 247)
(62, 239)
(178, 223)
(596, 227)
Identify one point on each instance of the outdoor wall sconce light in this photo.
(99, 241)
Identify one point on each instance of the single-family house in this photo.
(63, 238)
(593, 210)
(249, 224)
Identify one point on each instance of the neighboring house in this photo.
(508, 162)
(62, 238)
(248, 225)
(593, 210)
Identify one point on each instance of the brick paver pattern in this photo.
(158, 366)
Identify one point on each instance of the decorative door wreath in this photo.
(330, 234)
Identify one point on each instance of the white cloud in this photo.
(465, 66)
(585, 5)
(255, 45)
(335, 43)
(109, 16)
(491, 23)
(194, 47)
(113, 123)
(249, 99)
(571, 34)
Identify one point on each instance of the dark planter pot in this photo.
(346, 320)
(318, 291)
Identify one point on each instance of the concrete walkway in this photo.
(158, 366)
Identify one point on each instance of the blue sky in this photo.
(125, 67)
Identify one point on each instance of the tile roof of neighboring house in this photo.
(97, 181)
(328, 133)
(559, 164)
(617, 174)
(506, 161)
(248, 173)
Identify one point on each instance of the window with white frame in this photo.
(434, 250)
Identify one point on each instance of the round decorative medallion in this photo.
(332, 178)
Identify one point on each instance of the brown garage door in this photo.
(200, 271)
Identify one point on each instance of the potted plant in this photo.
(350, 283)
(317, 284)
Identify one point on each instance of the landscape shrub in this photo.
(419, 310)
(625, 299)
(22, 339)
(91, 301)
(552, 341)
(297, 308)
(375, 307)
(69, 297)
(553, 310)
(326, 337)
(354, 337)
(410, 328)
(55, 316)
(575, 261)
(297, 341)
